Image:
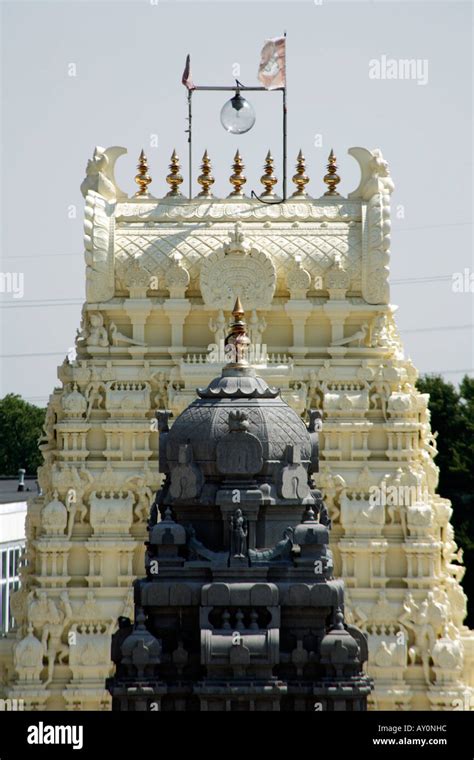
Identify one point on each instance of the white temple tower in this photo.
(313, 276)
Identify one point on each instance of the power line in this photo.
(40, 255)
(39, 303)
(23, 356)
(414, 280)
(437, 329)
(431, 226)
(20, 304)
(414, 330)
(446, 371)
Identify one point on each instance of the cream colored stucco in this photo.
(313, 278)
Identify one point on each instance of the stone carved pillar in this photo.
(138, 311)
(337, 313)
(298, 311)
(177, 309)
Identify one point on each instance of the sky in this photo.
(76, 74)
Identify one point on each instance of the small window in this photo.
(3, 608)
(16, 561)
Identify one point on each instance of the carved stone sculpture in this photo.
(100, 173)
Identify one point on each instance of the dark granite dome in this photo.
(269, 418)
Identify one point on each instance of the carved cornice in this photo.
(231, 211)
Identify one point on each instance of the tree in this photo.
(452, 415)
(21, 424)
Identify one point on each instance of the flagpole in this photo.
(190, 142)
(284, 129)
(284, 143)
(187, 81)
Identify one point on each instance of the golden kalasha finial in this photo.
(331, 178)
(142, 178)
(174, 178)
(237, 341)
(238, 310)
(206, 180)
(268, 179)
(300, 178)
(237, 179)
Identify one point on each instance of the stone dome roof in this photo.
(338, 647)
(141, 648)
(54, 515)
(267, 417)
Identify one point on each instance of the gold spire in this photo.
(237, 339)
(174, 178)
(331, 178)
(238, 310)
(237, 179)
(142, 178)
(206, 180)
(300, 178)
(268, 179)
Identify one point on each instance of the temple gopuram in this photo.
(162, 278)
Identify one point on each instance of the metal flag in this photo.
(272, 69)
(186, 78)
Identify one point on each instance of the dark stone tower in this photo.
(239, 609)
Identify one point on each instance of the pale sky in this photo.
(128, 59)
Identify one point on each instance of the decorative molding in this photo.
(375, 250)
(232, 211)
(238, 269)
(375, 175)
(100, 174)
(99, 248)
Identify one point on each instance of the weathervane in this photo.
(237, 115)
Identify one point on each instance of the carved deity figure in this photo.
(299, 396)
(256, 328)
(173, 388)
(95, 333)
(332, 486)
(161, 396)
(93, 394)
(238, 534)
(380, 392)
(144, 499)
(396, 509)
(218, 327)
(380, 335)
(314, 391)
(427, 621)
(53, 619)
(58, 619)
(48, 438)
